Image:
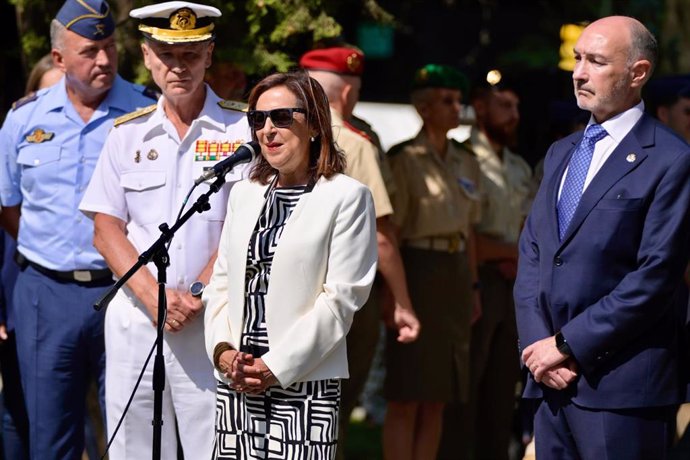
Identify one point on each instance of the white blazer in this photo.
(322, 272)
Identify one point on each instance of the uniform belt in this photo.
(78, 276)
(449, 243)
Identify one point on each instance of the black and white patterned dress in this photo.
(300, 422)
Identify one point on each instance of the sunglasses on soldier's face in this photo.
(281, 118)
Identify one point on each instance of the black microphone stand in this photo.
(159, 254)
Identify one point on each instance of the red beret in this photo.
(347, 61)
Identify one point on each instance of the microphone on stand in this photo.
(244, 154)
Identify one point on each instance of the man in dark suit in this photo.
(600, 301)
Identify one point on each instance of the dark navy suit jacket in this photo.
(613, 286)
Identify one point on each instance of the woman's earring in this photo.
(312, 138)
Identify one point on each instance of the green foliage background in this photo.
(259, 36)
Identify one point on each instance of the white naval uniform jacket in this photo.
(145, 171)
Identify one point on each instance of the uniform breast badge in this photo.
(39, 136)
(152, 155)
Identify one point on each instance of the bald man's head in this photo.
(342, 90)
(614, 58)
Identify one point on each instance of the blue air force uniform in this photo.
(48, 154)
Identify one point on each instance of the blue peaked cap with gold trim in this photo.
(91, 19)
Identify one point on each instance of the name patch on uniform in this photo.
(39, 136)
(215, 150)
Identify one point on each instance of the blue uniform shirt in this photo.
(48, 155)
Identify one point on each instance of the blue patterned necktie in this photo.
(575, 179)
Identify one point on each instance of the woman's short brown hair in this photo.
(324, 157)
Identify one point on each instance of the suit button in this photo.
(558, 261)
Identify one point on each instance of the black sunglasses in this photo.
(281, 118)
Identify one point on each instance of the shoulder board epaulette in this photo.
(356, 130)
(399, 147)
(234, 105)
(25, 100)
(132, 115)
(151, 92)
(465, 145)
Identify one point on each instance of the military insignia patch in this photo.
(467, 184)
(39, 136)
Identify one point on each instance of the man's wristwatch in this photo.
(562, 344)
(197, 288)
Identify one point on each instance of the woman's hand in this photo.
(251, 375)
(227, 362)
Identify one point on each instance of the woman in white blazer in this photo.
(296, 260)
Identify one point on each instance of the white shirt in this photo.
(145, 171)
(616, 129)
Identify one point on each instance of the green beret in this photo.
(440, 76)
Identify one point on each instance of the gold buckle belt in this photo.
(450, 244)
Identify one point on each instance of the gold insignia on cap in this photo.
(100, 29)
(152, 155)
(183, 19)
(423, 75)
(137, 156)
(353, 62)
(39, 136)
(631, 158)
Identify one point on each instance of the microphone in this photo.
(244, 154)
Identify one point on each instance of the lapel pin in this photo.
(137, 156)
(152, 155)
(631, 158)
